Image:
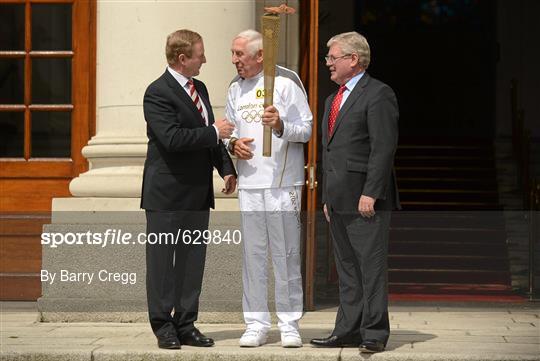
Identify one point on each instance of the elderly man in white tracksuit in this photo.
(269, 188)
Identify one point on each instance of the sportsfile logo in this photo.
(119, 237)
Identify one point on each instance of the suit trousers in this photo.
(174, 269)
(361, 252)
(271, 218)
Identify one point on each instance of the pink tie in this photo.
(334, 109)
(196, 99)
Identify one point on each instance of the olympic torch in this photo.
(270, 31)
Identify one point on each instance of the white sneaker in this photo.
(253, 338)
(291, 339)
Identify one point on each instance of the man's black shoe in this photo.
(371, 346)
(334, 341)
(168, 341)
(196, 338)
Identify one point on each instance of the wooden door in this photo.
(47, 114)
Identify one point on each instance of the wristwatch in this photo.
(279, 133)
(232, 142)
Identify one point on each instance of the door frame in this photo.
(309, 63)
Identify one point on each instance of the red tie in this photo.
(196, 99)
(334, 109)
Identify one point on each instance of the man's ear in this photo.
(181, 58)
(260, 56)
(355, 60)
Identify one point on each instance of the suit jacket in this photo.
(358, 157)
(182, 151)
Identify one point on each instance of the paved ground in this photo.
(451, 332)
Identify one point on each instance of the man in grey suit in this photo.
(359, 139)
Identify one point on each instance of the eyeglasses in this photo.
(331, 59)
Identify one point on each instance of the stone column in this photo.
(131, 54)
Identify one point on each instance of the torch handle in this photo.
(270, 32)
(268, 100)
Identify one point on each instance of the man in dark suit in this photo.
(184, 145)
(359, 139)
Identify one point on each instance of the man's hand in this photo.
(325, 209)
(366, 206)
(271, 118)
(242, 149)
(230, 184)
(224, 127)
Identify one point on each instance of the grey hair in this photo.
(254, 39)
(353, 43)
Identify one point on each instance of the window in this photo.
(47, 77)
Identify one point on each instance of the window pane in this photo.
(11, 26)
(11, 134)
(11, 81)
(51, 134)
(51, 26)
(51, 81)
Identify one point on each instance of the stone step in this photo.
(443, 160)
(435, 247)
(448, 262)
(442, 289)
(414, 205)
(445, 172)
(406, 150)
(453, 195)
(451, 236)
(424, 331)
(448, 276)
(428, 182)
(446, 220)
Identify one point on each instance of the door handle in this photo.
(311, 182)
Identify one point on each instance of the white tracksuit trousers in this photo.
(271, 217)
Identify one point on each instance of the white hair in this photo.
(353, 43)
(254, 39)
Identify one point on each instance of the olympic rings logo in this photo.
(252, 115)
